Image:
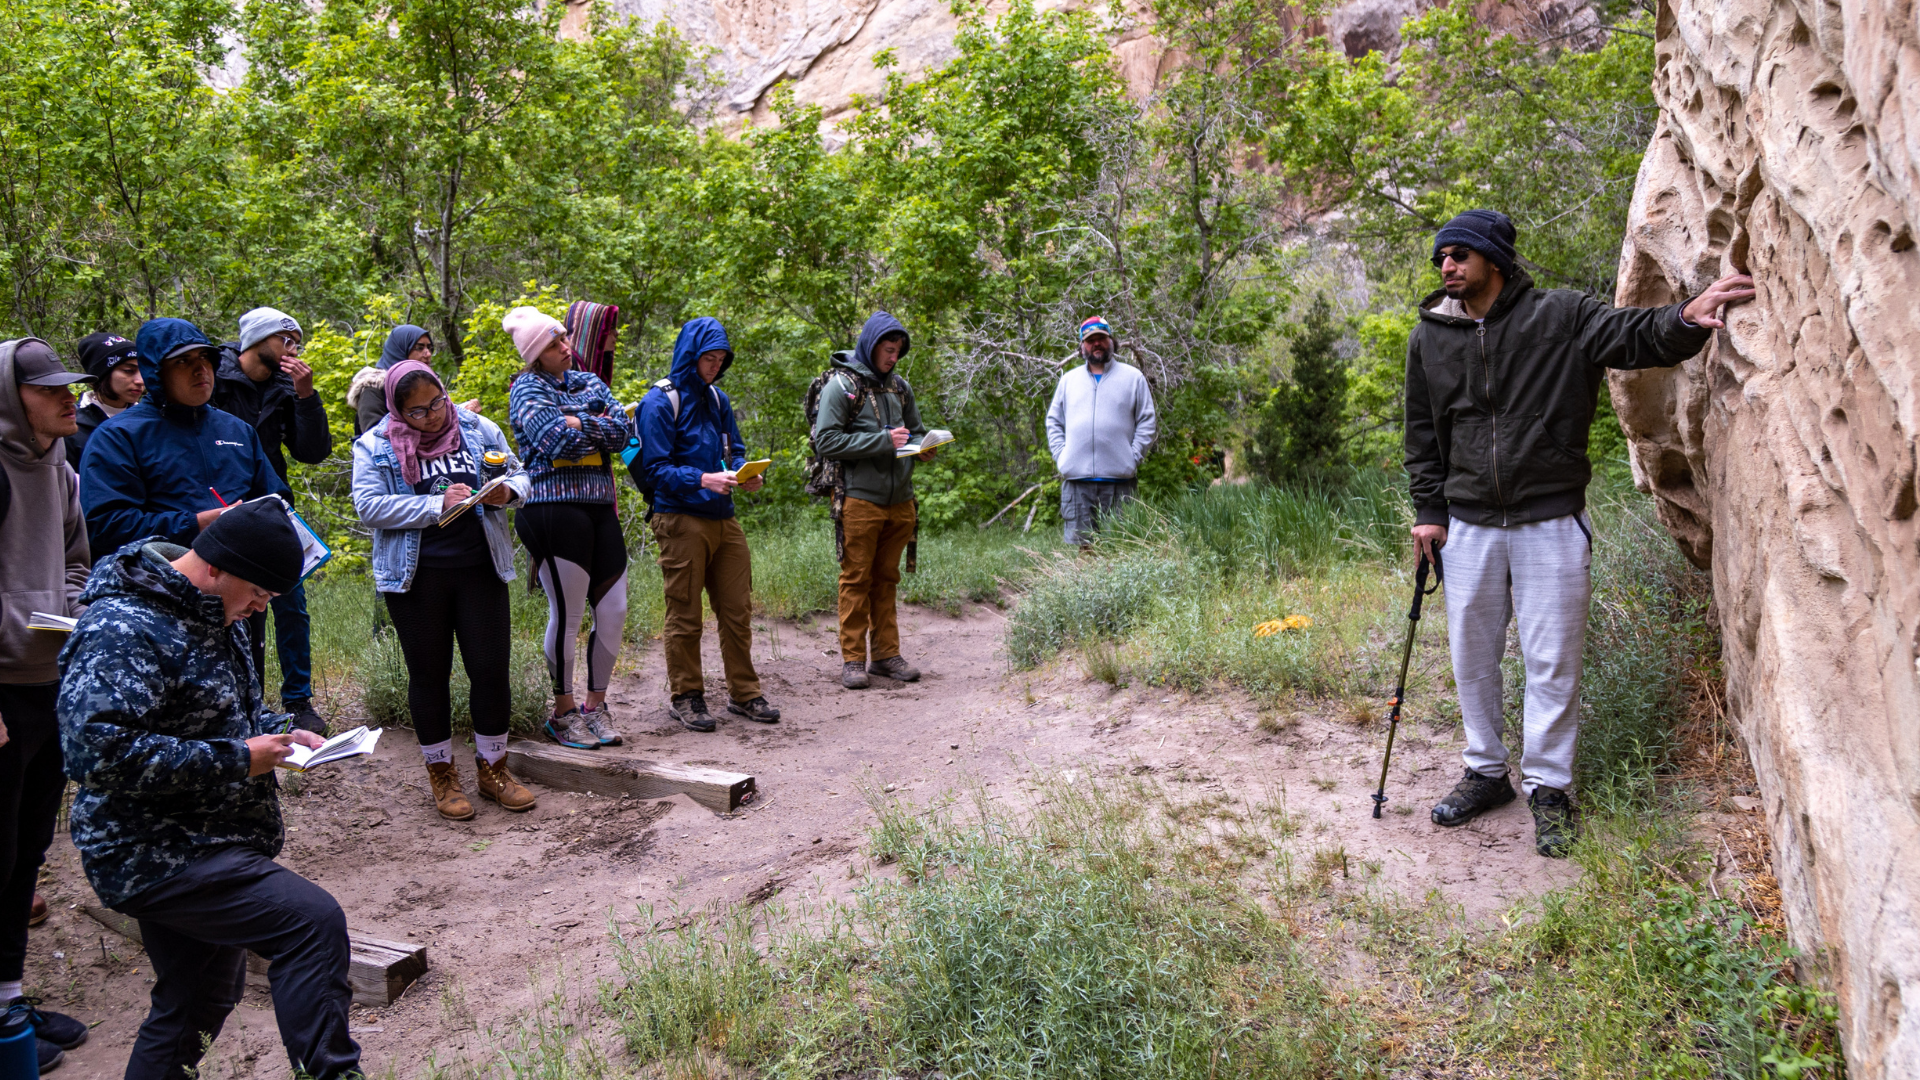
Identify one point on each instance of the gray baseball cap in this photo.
(35, 364)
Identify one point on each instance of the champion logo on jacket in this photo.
(225, 442)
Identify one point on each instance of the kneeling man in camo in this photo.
(1502, 382)
(177, 816)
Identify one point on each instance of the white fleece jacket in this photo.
(1101, 429)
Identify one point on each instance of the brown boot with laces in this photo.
(495, 784)
(447, 796)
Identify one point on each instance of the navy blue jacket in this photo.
(151, 469)
(705, 438)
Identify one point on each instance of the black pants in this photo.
(197, 927)
(469, 605)
(31, 782)
(579, 557)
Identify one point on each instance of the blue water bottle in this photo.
(19, 1049)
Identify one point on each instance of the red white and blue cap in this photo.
(1095, 325)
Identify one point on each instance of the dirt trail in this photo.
(502, 902)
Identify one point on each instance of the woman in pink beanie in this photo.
(570, 430)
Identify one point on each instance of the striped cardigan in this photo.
(561, 462)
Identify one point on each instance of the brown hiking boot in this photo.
(853, 675)
(495, 784)
(38, 913)
(447, 796)
(895, 667)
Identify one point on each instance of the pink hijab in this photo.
(409, 443)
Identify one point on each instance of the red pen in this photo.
(218, 499)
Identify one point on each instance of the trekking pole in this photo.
(1420, 593)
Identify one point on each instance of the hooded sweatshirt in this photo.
(159, 699)
(860, 437)
(278, 414)
(1100, 428)
(674, 452)
(151, 469)
(43, 535)
(367, 394)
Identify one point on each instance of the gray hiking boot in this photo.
(1553, 823)
(1472, 796)
(600, 722)
(895, 667)
(853, 675)
(691, 711)
(569, 729)
(759, 710)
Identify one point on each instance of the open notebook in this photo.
(472, 500)
(360, 740)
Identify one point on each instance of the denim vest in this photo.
(386, 502)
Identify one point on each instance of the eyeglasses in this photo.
(290, 344)
(421, 412)
(1458, 255)
(423, 343)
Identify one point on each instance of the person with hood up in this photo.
(177, 812)
(594, 330)
(690, 449)
(1502, 382)
(367, 393)
(444, 584)
(169, 465)
(867, 413)
(1100, 425)
(44, 537)
(117, 384)
(570, 430)
(261, 380)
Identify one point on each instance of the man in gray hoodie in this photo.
(43, 536)
(1099, 427)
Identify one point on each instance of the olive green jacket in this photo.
(861, 439)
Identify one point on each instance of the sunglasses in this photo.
(1458, 255)
(421, 412)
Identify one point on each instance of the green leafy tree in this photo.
(1300, 430)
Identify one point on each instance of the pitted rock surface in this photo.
(1783, 457)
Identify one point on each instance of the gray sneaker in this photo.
(570, 729)
(600, 722)
(1472, 796)
(895, 667)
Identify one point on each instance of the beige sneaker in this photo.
(497, 785)
(447, 796)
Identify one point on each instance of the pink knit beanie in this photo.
(531, 329)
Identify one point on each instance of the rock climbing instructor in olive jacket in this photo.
(1502, 382)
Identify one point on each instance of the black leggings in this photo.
(31, 783)
(468, 604)
(580, 560)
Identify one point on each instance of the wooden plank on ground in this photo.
(120, 924)
(603, 773)
(379, 971)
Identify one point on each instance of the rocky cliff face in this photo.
(1784, 456)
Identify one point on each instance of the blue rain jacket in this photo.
(704, 438)
(149, 470)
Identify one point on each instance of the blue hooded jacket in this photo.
(705, 438)
(151, 469)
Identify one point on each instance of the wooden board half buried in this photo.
(604, 773)
(378, 970)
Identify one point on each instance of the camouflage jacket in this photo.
(157, 700)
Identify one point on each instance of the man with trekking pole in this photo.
(1502, 382)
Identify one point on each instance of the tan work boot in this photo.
(447, 796)
(495, 784)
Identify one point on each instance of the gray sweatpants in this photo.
(1538, 572)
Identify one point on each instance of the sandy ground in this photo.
(506, 904)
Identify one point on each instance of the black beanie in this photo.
(101, 353)
(255, 543)
(1488, 232)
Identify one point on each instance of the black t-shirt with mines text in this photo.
(463, 543)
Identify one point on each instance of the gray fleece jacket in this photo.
(43, 538)
(1101, 428)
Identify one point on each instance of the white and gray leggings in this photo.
(1539, 573)
(579, 557)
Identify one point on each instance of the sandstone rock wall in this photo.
(1784, 456)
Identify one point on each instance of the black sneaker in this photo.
(1472, 796)
(63, 1031)
(691, 711)
(50, 1055)
(306, 719)
(759, 710)
(1553, 824)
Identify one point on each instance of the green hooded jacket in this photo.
(860, 438)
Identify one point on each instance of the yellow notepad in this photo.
(751, 469)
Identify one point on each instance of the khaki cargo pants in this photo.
(701, 553)
(870, 576)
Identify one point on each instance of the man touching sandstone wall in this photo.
(1783, 457)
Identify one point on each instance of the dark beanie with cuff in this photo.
(1488, 232)
(255, 543)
